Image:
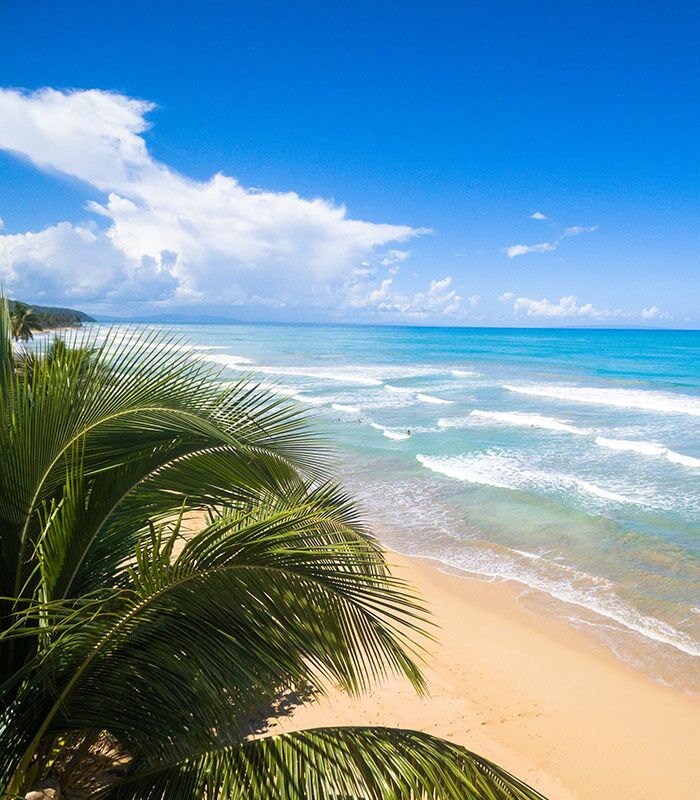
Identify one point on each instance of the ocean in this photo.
(566, 460)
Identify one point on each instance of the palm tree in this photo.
(134, 636)
(24, 320)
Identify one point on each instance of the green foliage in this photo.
(127, 625)
(49, 317)
(23, 321)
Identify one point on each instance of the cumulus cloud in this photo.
(537, 215)
(569, 308)
(439, 299)
(566, 307)
(164, 238)
(545, 247)
(654, 312)
(474, 299)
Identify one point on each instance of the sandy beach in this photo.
(545, 701)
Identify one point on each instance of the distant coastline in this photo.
(52, 318)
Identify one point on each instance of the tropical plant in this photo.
(24, 321)
(139, 642)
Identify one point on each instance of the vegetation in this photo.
(47, 317)
(23, 322)
(175, 564)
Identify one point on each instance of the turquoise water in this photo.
(566, 460)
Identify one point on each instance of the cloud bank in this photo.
(569, 308)
(158, 238)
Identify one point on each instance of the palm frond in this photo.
(327, 764)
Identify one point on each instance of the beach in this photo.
(547, 702)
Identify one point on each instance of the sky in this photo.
(450, 163)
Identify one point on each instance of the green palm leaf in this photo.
(328, 764)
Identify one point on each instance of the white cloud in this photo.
(169, 239)
(575, 230)
(394, 257)
(439, 299)
(569, 308)
(654, 312)
(537, 215)
(566, 307)
(474, 299)
(522, 249)
(545, 247)
(506, 297)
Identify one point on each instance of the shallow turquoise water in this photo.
(567, 460)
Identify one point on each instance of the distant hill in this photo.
(55, 317)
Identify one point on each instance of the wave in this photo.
(429, 398)
(504, 472)
(400, 389)
(648, 449)
(342, 375)
(345, 409)
(230, 361)
(561, 581)
(422, 397)
(308, 398)
(643, 448)
(453, 422)
(686, 461)
(617, 398)
(464, 373)
(569, 585)
(524, 420)
(390, 433)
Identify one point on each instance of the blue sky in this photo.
(401, 149)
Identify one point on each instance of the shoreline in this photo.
(548, 702)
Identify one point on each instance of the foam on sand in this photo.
(570, 585)
(464, 373)
(616, 398)
(520, 419)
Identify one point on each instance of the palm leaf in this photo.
(327, 764)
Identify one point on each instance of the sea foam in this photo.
(648, 449)
(390, 433)
(228, 360)
(429, 398)
(617, 398)
(400, 389)
(521, 419)
(345, 409)
(505, 472)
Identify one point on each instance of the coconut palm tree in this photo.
(174, 562)
(24, 321)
